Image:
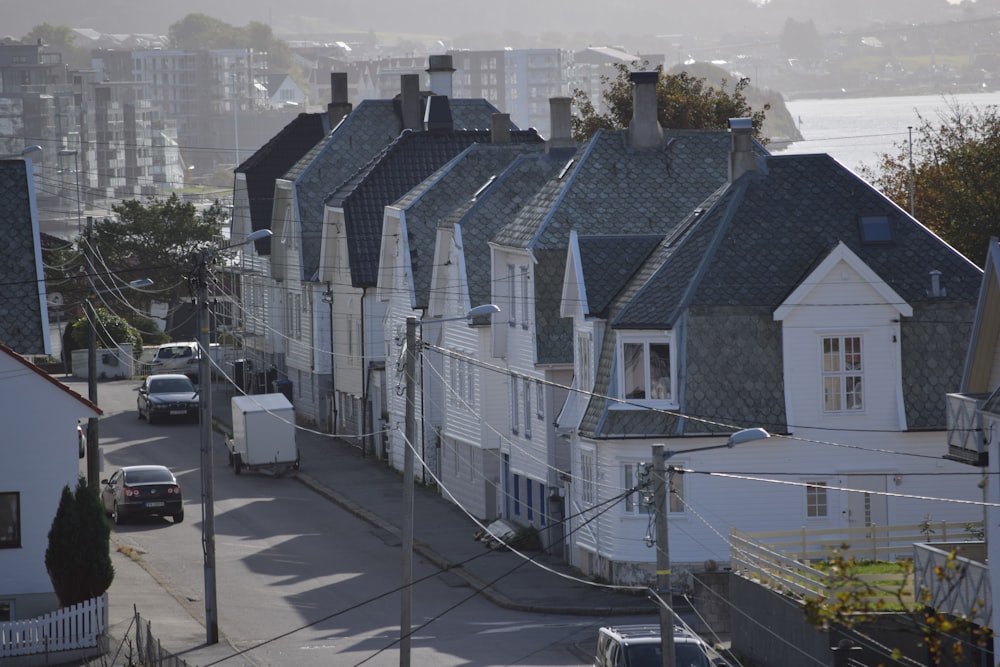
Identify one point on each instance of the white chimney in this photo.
(741, 157)
(644, 131)
(440, 69)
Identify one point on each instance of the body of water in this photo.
(857, 131)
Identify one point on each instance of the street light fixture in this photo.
(28, 150)
(662, 482)
(93, 449)
(76, 172)
(200, 278)
(412, 355)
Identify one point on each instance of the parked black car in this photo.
(135, 491)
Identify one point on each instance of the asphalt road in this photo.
(301, 581)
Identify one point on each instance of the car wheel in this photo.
(179, 517)
(117, 516)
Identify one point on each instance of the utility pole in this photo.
(207, 473)
(662, 491)
(93, 450)
(406, 601)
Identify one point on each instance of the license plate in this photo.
(178, 412)
(155, 503)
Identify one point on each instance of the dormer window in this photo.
(647, 372)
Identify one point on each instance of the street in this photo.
(302, 581)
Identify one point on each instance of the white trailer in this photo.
(263, 434)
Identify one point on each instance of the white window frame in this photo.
(584, 368)
(842, 373)
(525, 302)
(515, 406)
(511, 297)
(527, 408)
(817, 500)
(658, 338)
(539, 400)
(588, 478)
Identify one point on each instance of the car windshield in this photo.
(148, 476)
(171, 352)
(650, 655)
(170, 385)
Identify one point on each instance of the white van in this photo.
(639, 646)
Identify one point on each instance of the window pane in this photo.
(831, 393)
(629, 483)
(816, 500)
(659, 371)
(852, 354)
(852, 399)
(635, 370)
(831, 354)
(10, 519)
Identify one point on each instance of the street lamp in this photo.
(200, 279)
(93, 465)
(412, 354)
(76, 172)
(28, 150)
(662, 481)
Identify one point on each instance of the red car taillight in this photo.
(130, 492)
(173, 490)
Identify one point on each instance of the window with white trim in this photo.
(525, 287)
(816, 500)
(539, 400)
(584, 374)
(527, 407)
(842, 374)
(588, 480)
(511, 297)
(647, 371)
(515, 405)
(470, 370)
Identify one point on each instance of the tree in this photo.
(684, 102)
(77, 557)
(60, 39)
(956, 165)
(156, 240)
(111, 331)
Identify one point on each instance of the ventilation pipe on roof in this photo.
(500, 128)
(410, 101)
(338, 106)
(741, 157)
(644, 131)
(560, 121)
(936, 291)
(440, 69)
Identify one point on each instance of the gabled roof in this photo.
(24, 325)
(400, 167)
(742, 254)
(272, 160)
(456, 185)
(983, 343)
(608, 263)
(610, 188)
(371, 126)
(56, 385)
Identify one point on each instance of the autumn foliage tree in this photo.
(684, 102)
(956, 166)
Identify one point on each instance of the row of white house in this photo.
(654, 285)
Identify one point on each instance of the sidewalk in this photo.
(443, 536)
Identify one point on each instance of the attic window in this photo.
(875, 229)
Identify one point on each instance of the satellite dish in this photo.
(55, 299)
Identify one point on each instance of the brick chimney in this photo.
(500, 128)
(437, 116)
(338, 106)
(560, 122)
(440, 69)
(741, 157)
(410, 101)
(644, 131)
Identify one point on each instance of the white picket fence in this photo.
(77, 627)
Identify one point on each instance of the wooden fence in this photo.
(80, 626)
(784, 561)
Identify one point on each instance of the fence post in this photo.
(842, 652)
(802, 556)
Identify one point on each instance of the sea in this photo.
(857, 131)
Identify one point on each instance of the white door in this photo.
(868, 505)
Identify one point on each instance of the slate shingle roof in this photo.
(610, 188)
(22, 323)
(718, 283)
(400, 167)
(449, 189)
(272, 160)
(371, 126)
(609, 262)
